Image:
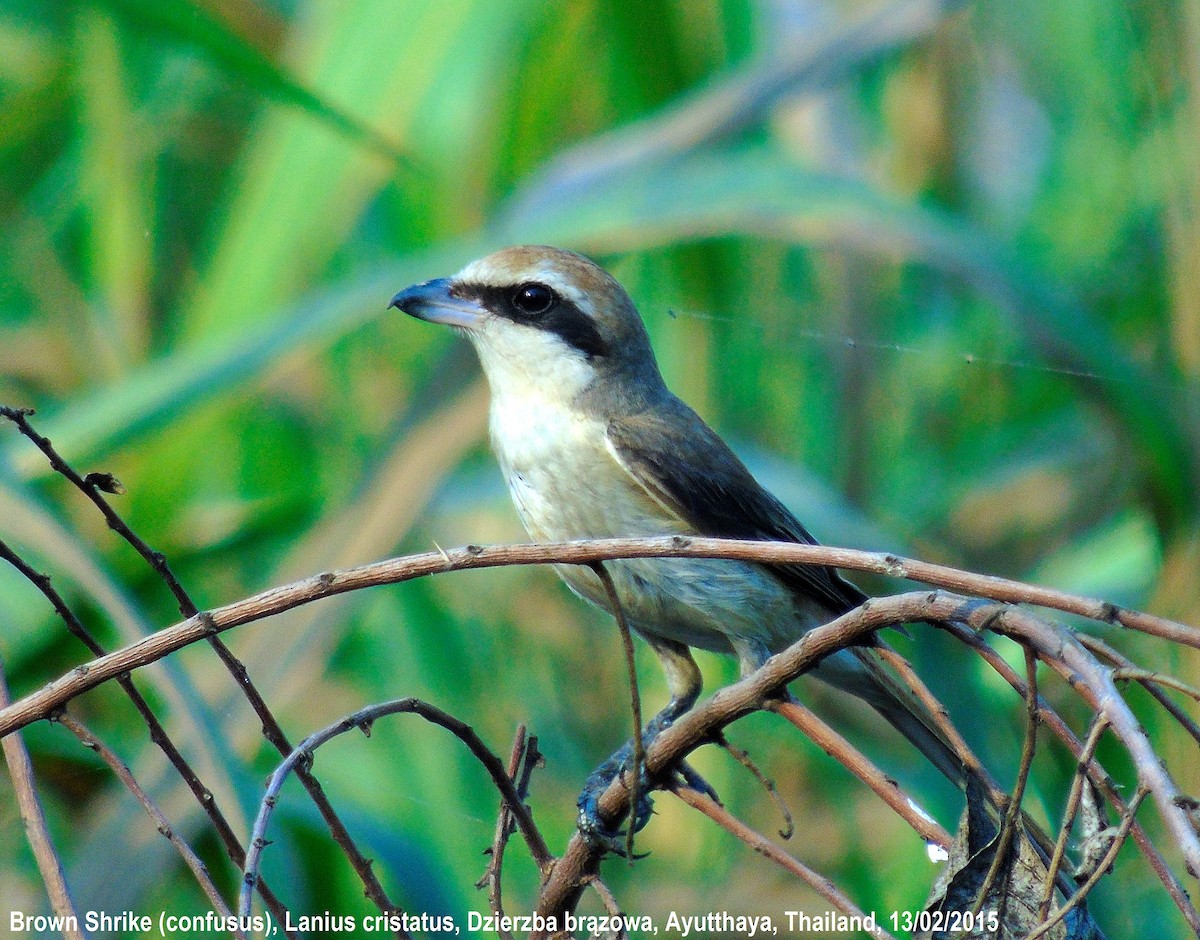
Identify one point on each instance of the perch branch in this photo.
(397, 570)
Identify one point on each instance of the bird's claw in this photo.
(593, 829)
(615, 840)
(696, 782)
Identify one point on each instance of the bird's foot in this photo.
(610, 838)
(595, 830)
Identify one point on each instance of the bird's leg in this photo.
(683, 680)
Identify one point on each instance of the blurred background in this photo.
(932, 268)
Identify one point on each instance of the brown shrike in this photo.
(594, 445)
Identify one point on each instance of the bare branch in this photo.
(397, 570)
(854, 760)
(493, 876)
(1052, 644)
(765, 847)
(1109, 857)
(363, 719)
(743, 757)
(1012, 811)
(158, 734)
(1148, 680)
(93, 486)
(37, 833)
(1099, 726)
(121, 771)
(1095, 772)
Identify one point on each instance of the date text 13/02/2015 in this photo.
(952, 922)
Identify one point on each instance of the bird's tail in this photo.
(870, 680)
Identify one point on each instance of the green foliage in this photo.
(951, 270)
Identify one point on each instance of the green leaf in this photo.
(191, 25)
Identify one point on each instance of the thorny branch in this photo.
(363, 720)
(566, 878)
(94, 486)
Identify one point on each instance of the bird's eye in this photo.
(534, 299)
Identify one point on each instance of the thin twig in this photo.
(37, 833)
(1105, 863)
(158, 734)
(850, 757)
(364, 719)
(1148, 680)
(611, 907)
(121, 772)
(765, 847)
(1012, 812)
(1064, 832)
(743, 758)
(635, 702)
(1154, 858)
(937, 711)
(493, 876)
(91, 486)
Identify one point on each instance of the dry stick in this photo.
(1148, 680)
(635, 703)
(91, 487)
(363, 719)
(397, 570)
(765, 847)
(158, 734)
(1064, 832)
(37, 833)
(1105, 863)
(861, 766)
(971, 763)
(1096, 773)
(743, 758)
(1093, 682)
(121, 772)
(492, 877)
(1012, 812)
(607, 898)
(561, 891)
(160, 644)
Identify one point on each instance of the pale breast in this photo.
(567, 485)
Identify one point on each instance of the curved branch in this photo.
(53, 695)
(363, 719)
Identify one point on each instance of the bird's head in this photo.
(542, 319)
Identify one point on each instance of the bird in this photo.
(592, 444)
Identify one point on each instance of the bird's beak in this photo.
(433, 301)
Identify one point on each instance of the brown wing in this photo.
(686, 467)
